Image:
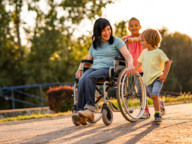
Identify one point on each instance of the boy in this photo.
(152, 60)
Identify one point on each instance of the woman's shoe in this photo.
(87, 114)
(81, 120)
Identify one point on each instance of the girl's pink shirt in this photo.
(135, 49)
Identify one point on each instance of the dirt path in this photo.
(175, 128)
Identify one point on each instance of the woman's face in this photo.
(105, 34)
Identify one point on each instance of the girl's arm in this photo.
(133, 39)
(90, 57)
(166, 71)
(128, 58)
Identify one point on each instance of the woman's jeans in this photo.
(87, 86)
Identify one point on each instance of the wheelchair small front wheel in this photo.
(107, 116)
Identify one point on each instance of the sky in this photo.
(175, 15)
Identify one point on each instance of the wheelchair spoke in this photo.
(130, 97)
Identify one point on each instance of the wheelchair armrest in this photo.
(87, 61)
(119, 58)
(86, 65)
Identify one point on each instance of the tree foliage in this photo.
(52, 54)
(178, 48)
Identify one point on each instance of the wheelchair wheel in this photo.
(131, 102)
(107, 116)
(98, 107)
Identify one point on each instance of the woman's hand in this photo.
(130, 70)
(79, 74)
(85, 65)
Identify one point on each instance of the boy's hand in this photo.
(162, 77)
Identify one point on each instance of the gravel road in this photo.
(175, 128)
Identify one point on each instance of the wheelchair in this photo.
(129, 102)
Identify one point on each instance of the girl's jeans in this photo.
(87, 87)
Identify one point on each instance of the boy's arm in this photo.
(138, 67)
(166, 71)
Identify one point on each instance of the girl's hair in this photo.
(133, 18)
(152, 36)
(99, 25)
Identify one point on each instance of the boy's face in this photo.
(144, 43)
(134, 27)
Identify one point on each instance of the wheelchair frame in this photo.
(115, 81)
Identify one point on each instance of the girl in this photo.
(135, 49)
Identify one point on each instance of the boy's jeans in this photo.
(155, 87)
(87, 86)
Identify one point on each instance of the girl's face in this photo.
(144, 43)
(105, 34)
(134, 27)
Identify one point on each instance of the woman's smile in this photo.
(105, 34)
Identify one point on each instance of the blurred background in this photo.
(43, 41)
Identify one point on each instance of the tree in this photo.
(121, 29)
(178, 48)
(52, 46)
(52, 54)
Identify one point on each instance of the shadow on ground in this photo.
(92, 134)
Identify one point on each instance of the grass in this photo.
(169, 99)
(33, 116)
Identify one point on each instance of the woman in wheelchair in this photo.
(105, 47)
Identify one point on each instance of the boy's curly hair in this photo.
(152, 36)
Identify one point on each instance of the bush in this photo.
(60, 99)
